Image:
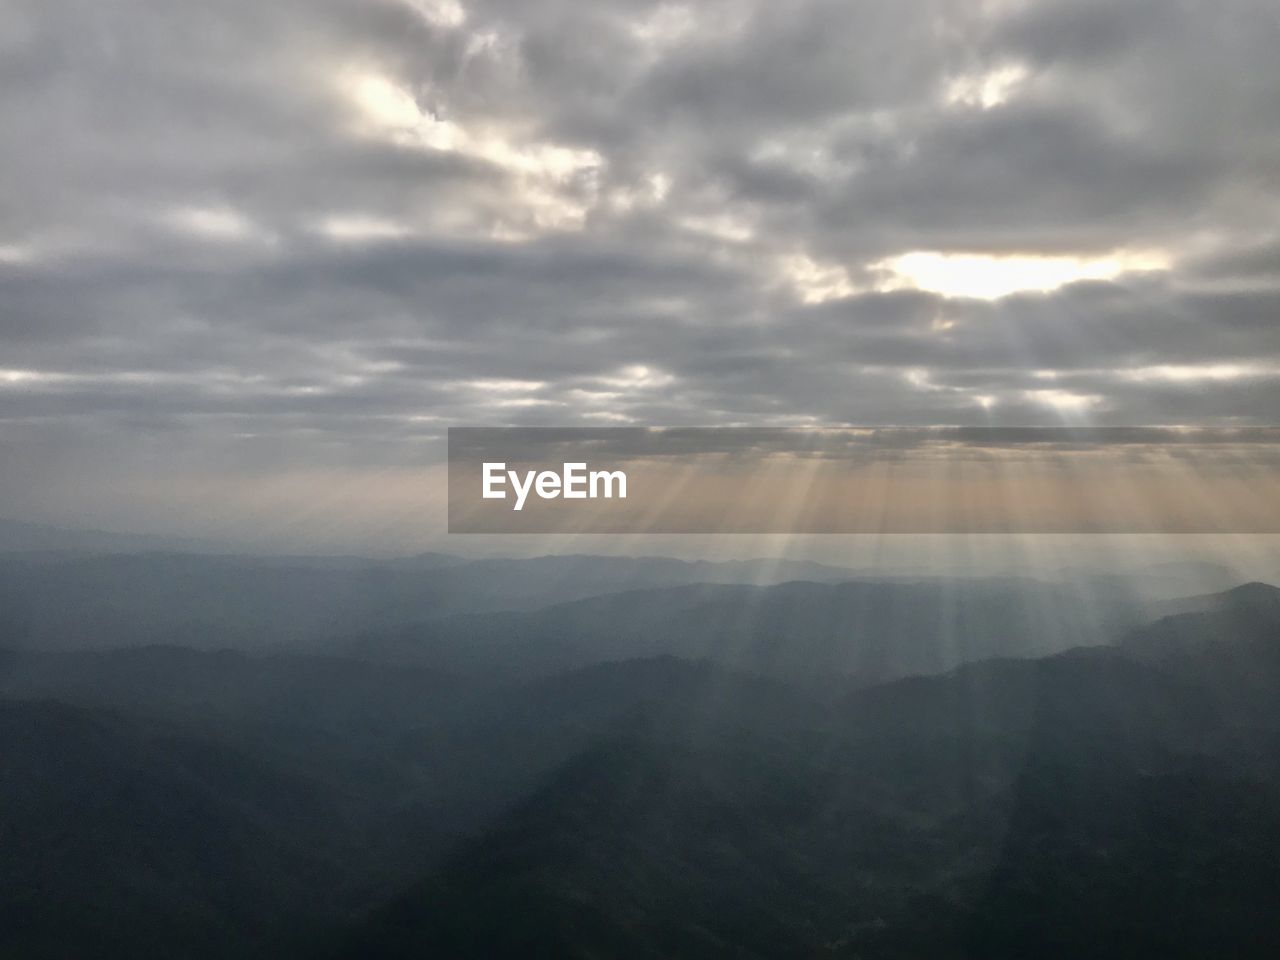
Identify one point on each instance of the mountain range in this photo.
(664, 800)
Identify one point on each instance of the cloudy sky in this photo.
(256, 256)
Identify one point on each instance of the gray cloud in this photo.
(330, 229)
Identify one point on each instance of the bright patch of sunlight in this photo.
(816, 282)
(985, 90)
(361, 228)
(394, 108)
(650, 192)
(220, 223)
(18, 377)
(989, 277)
(17, 253)
(665, 27)
(1201, 372)
(439, 13)
(636, 377)
(504, 385)
(552, 186)
(1064, 401)
(721, 226)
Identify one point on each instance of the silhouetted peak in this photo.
(1255, 594)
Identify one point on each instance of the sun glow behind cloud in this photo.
(555, 185)
(985, 90)
(990, 277)
(1201, 372)
(218, 223)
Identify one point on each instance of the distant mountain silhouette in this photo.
(20, 537)
(228, 686)
(1243, 616)
(261, 603)
(1168, 580)
(869, 631)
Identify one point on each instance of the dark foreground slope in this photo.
(127, 838)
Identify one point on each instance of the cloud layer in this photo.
(317, 233)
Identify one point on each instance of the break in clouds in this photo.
(241, 236)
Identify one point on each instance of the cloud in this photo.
(334, 227)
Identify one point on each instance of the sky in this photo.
(256, 257)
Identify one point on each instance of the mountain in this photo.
(869, 631)
(19, 537)
(1157, 836)
(532, 583)
(224, 687)
(1244, 616)
(378, 735)
(1104, 801)
(1087, 804)
(1121, 863)
(130, 838)
(1164, 581)
(258, 603)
